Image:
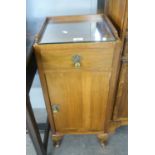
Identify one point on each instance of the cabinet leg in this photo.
(57, 138)
(103, 138)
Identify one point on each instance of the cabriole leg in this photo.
(57, 138)
(103, 138)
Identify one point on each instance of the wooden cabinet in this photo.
(117, 11)
(78, 59)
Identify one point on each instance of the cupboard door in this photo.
(81, 96)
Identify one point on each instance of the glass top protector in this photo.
(90, 31)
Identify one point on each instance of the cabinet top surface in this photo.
(70, 30)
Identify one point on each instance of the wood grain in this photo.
(95, 59)
(113, 84)
(44, 88)
(121, 106)
(82, 96)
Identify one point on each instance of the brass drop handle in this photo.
(55, 108)
(76, 60)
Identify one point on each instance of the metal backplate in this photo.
(55, 108)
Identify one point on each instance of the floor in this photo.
(87, 145)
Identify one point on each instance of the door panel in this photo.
(82, 97)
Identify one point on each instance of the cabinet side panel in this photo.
(44, 87)
(121, 106)
(113, 84)
(121, 102)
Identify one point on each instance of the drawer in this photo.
(100, 59)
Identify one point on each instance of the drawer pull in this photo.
(55, 108)
(76, 60)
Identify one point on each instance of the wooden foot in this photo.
(57, 138)
(103, 138)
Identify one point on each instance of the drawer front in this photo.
(100, 59)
